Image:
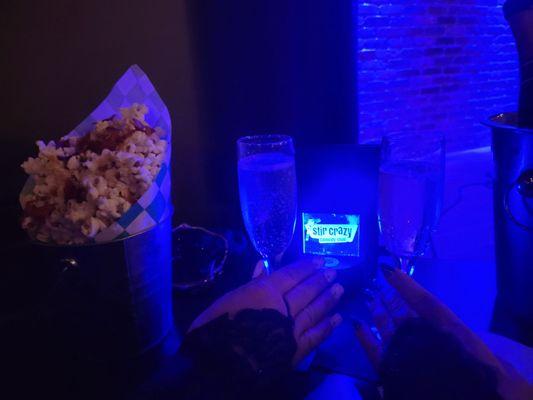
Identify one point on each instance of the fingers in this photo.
(287, 277)
(316, 335)
(388, 310)
(259, 269)
(432, 309)
(397, 308)
(317, 310)
(381, 318)
(370, 343)
(419, 299)
(306, 291)
(512, 385)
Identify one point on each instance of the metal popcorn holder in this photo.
(113, 300)
(114, 294)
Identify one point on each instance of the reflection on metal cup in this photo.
(113, 299)
(512, 149)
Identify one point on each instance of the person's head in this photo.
(424, 362)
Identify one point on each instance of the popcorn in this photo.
(84, 184)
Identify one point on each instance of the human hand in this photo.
(402, 298)
(303, 290)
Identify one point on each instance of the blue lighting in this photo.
(331, 234)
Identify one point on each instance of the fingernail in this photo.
(318, 262)
(335, 320)
(330, 274)
(387, 269)
(337, 290)
(356, 323)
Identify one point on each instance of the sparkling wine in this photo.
(409, 203)
(267, 185)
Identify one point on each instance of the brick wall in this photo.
(434, 65)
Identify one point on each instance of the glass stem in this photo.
(267, 266)
(407, 265)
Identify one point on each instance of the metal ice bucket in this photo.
(512, 149)
(113, 300)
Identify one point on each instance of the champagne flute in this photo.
(411, 180)
(267, 187)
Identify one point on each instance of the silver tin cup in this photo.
(115, 298)
(512, 149)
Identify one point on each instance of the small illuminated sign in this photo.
(331, 234)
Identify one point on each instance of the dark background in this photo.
(224, 69)
(60, 59)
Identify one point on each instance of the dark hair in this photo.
(424, 362)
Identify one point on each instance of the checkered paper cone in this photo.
(155, 205)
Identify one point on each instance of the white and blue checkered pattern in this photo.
(155, 205)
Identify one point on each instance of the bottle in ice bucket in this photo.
(519, 14)
(512, 148)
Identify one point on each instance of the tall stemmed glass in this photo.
(411, 180)
(267, 186)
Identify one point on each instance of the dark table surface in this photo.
(40, 360)
(37, 359)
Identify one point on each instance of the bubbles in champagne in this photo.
(409, 205)
(267, 185)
